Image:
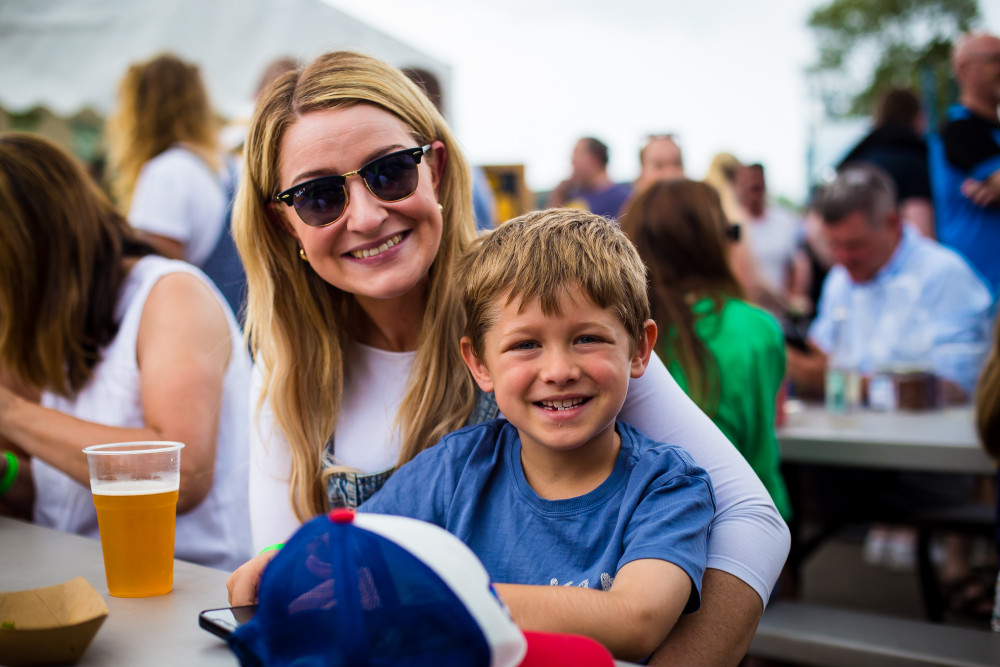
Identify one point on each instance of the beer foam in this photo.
(134, 487)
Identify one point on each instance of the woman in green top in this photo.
(727, 355)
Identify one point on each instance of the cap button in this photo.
(342, 515)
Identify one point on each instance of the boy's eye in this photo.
(588, 339)
(524, 345)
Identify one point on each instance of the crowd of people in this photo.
(586, 395)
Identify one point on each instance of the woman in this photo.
(103, 341)
(353, 316)
(988, 429)
(169, 172)
(728, 356)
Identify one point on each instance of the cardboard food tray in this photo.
(49, 626)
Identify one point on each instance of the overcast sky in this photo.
(530, 77)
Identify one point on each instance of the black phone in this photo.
(223, 622)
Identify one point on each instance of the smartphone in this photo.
(222, 622)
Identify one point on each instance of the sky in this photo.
(530, 77)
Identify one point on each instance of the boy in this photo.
(589, 527)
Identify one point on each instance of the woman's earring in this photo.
(302, 255)
(441, 207)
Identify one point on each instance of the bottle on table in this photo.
(843, 377)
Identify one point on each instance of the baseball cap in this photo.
(372, 589)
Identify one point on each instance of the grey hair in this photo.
(856, 187)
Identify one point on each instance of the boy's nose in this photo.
(560, 367)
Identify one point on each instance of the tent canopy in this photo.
(68, 55)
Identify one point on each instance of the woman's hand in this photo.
(244, 582)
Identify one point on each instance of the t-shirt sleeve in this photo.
(671, 520)
(158, 206)
(272, 517)
(969, 142)
(744, 512)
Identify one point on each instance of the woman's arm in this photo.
(630, 619)
(749, 540)
(182, 350)
(272, 517)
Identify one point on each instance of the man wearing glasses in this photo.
(966, 158)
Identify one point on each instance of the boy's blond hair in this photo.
(538, 254)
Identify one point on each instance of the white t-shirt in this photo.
(773, 239)
(178, 196)
(217, 532)
(748, 537)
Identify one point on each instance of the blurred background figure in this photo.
(589, 186)
(725, 353)
(966, 158)
(660, 159)
(896, 145)
(773, 235)
(169, 172)
(102, 340)
(484, 205)
(235, 131)
(721, 175)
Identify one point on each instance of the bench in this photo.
(809, 634)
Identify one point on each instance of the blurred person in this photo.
(484, 205)
(896, 145)
(966, 158)
(355, 323)
(728, 355)
(659, 159)
(589, 186)
(908, 300)
(772, 235)
(902, 291)
(102, 340)
(169, 171)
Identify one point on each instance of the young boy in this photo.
(587, 526)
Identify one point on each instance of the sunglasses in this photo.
(322, 201)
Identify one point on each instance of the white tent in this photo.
(68, 55)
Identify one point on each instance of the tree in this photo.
(867, 46)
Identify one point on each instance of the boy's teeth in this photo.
(562, 405)
(371, 252)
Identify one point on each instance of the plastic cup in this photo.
(135, 486)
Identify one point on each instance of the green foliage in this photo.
(867, 46)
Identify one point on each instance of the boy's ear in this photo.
(480, 373)
(643, 349)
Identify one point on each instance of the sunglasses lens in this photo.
(392, 178)
(321, 201)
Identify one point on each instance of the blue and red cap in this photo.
(370, 589)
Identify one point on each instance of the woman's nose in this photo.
(364, 213)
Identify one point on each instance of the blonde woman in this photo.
(354, 207)
(168, 171)
(102, 340)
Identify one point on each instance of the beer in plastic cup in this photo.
(135, 486)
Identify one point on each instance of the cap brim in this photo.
(558, 650)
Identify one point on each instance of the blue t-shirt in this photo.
(655, 504)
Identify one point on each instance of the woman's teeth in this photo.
(371, 252)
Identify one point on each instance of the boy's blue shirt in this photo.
(657, 503)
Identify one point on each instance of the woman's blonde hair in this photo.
(298, 324)
(988, 399)
(161, 102)
(60, 265)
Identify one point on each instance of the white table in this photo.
(933, 441)
(161, 630)
(138, 632)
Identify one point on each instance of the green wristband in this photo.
(273, 547)
(10, 474)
